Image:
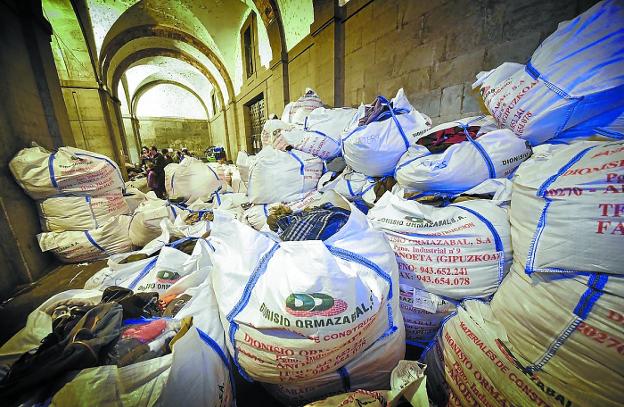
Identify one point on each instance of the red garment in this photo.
(146, 332)
(441, 140)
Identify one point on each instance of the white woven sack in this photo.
(350, 184)
(567, 210)
(495, 153)
(133, 198)
(192, 180)
(89, 245)
(80, 212)
(282, 302)
(369, 370)
(423, 313)
(69, 170)
(320, 135)
(374, 149)
(297, 111)
(145, 223)
(539, 335)
(574, 76)
(170, 170)
(278, 176)
(243, 163)
(458, 251)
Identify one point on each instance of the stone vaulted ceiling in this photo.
(192, 43)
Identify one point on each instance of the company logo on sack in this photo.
(415, 219)
(309, 305)
(166, 276)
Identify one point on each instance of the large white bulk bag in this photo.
(278, 176)
(350, 184)
(170, 170)
(89, 245)
(529, 345)
(567, 211)
(282, 302)
(297, 111)
(192, 180)
(243, 163)
(232, 180)
(458, 251)
(271, 133)
(374, 149)
(423, 313)
(80, 212)
(369, 370)
(495, 153)
(145, 222)
(200, 373)
(556, 317)
(320, 135)
(133, 198)
(575, 75)
(69, 170)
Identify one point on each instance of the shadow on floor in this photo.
(14, 311)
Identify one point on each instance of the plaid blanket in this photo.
(318, 223)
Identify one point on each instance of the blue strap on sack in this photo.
(541, 224)
(486, 157)
(88, 200)
(301, 170)
(150, 265)
(498, 242)
(344, 377)
(595, 289)
(244, 300)
(394, 118)
(51, 171)
(222, 355)
(93, 242)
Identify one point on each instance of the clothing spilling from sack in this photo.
(490, 245)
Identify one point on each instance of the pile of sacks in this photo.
(557, 317)
(81, 202)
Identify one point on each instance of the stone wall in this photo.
(434, 48)
(31, 110)
(176, 133)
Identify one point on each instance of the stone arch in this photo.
(137, 56)
(168, 33)
(140, 91)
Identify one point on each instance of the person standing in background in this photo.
(177, 158)
(145, 156)
(159, 169)
(167, 156)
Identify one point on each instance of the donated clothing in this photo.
(318, 223)
(439, 141)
